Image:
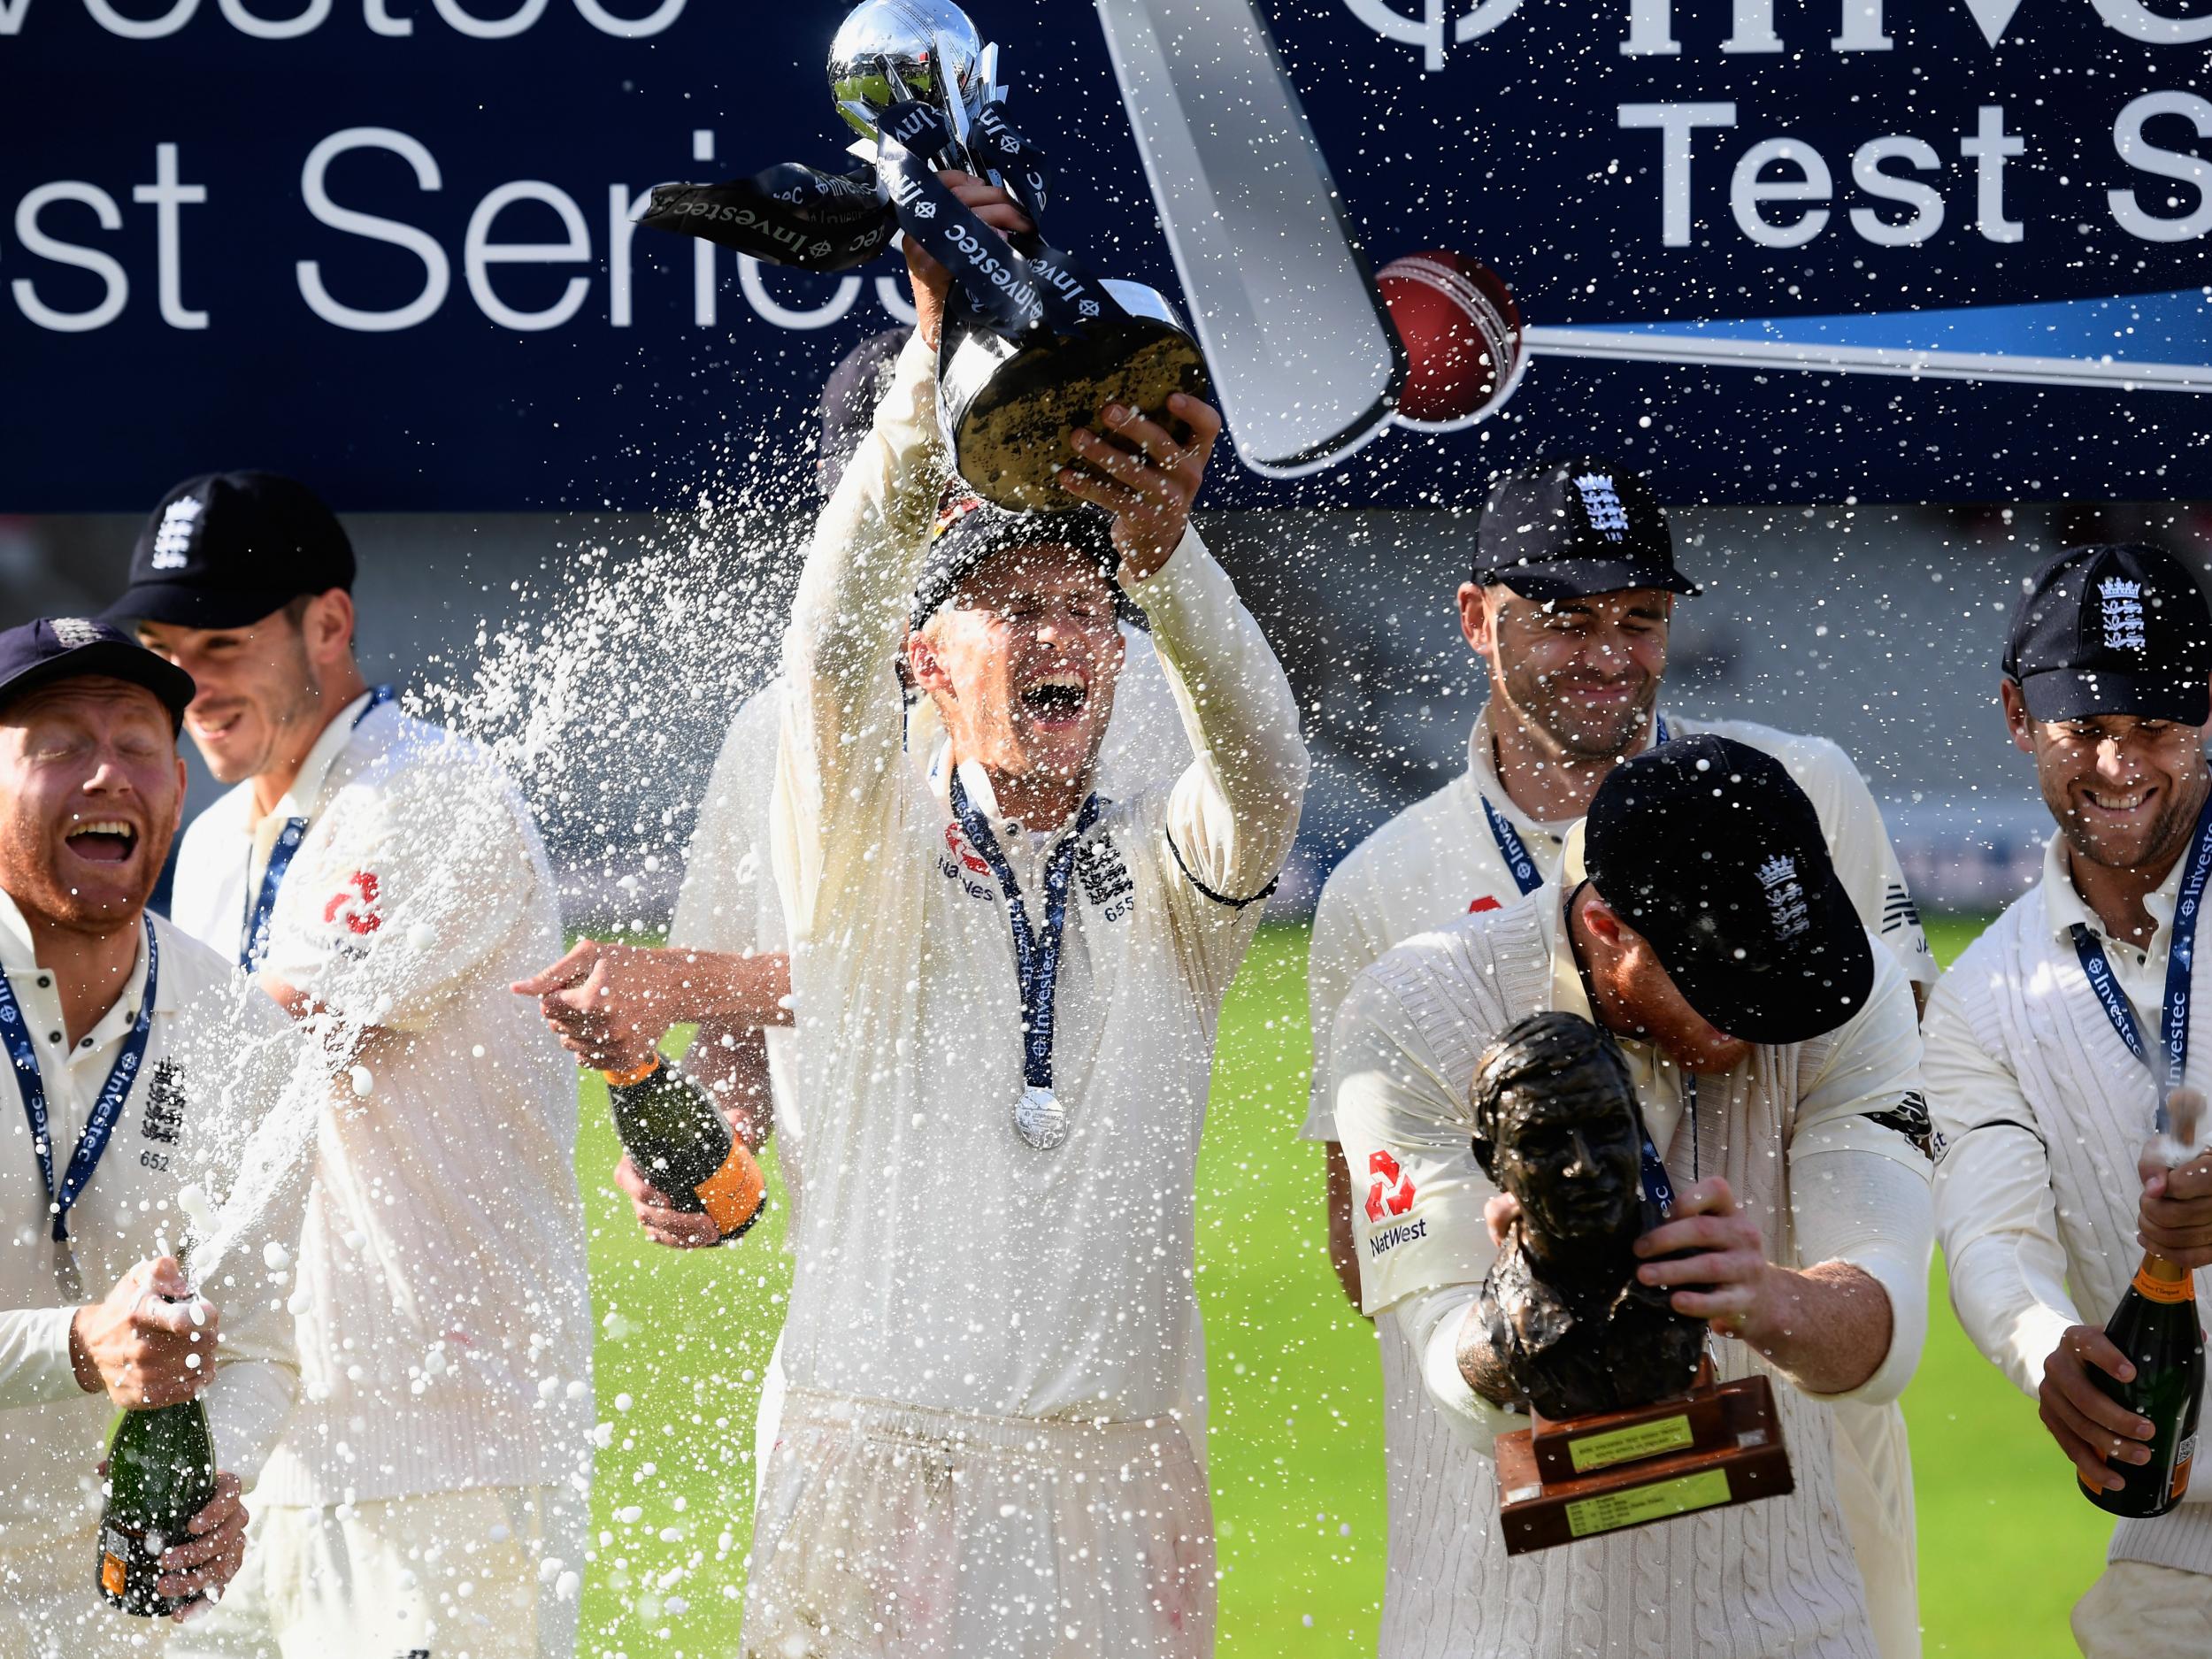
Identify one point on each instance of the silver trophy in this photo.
(1013, 382)
(1034, 345)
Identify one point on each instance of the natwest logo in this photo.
(354, 905)
(1428, 30)
(1390, 1192)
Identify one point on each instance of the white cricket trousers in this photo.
(2137, 1610)
(891, 1532)
(485, 1573)
(50, 1609)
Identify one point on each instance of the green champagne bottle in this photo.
(681, 1143)
(161, 1473)
(2156, 1325)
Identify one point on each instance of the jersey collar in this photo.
(305, 797)
(2063, 905)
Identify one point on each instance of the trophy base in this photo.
(1585, 1477)
(1011, 408)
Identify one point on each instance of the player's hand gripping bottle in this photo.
(681, 1143)
(161, 1473)
(2156, 1325)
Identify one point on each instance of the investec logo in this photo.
(1428, 30)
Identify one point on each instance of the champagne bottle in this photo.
(2156, 1325)
(681, 1143)
(161, 1473)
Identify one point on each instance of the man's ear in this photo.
(2016, 719)
(184, 782)
(1476, 623)
(1602, 920)
(328, 625)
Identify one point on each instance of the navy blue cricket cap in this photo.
(1567, 529)
(2113, 629)
(226, 548)
(1709, 850)
(971, 531)
(70, 648)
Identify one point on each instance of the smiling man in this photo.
(142, 1063)
(383, 882)
(1006, 988)
(2055, 1035)
(1570, 605)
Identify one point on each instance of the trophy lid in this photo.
(930, 45)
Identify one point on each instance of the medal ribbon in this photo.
(253, 935)
(1522, 868)
(107, 1108)
(2173, 1014)
(1036, 958)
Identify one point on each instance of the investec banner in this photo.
(1833, 248)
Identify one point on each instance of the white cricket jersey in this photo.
(447, 1337)
(941, 1260)
(217, 1062)
(2043, 1112)
(1439, 859)
(1814, 1139)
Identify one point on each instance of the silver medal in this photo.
(66, 1278)
(1040, 1118)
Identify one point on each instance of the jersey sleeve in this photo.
(838, 766)
(1339, 949)
(417, 870)
(726, 872)
(1859, 1170)
(35, 1364)
(1418, 1193)
(1994, 1204)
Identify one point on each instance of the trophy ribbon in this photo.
(788, 214)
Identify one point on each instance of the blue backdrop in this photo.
(384, 243)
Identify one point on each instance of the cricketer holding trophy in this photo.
(1007, 988)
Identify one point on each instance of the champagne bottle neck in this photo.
(2162, 1280)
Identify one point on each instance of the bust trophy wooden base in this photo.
(1583, 1477)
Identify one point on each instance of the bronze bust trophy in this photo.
(1571, 1330)
(1627, 1425)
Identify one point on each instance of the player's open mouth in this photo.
(213, 728)
(1055, 699)
(103, 842)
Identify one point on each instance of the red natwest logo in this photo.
(353, 903)
(1485, 902)
(965, 854)
(1392, 1191)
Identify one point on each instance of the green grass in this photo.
(2006, 1544)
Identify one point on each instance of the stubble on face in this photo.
(1593, 705)
(2077, 798)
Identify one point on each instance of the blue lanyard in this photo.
(15, 1031)
(253, 935)
(1036, 959)
(1518, 864)
(2173, 1014)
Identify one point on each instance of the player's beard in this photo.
(2168, 836)
(1580, 732)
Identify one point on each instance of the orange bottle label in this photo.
(733, 1194)
(114, 1575)
(2167, 1290)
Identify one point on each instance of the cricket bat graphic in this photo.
(1296, 337)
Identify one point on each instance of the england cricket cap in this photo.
(971, 531)
(1710, 850)
(225, 550)
(70, 647)
(1567, 529)
(2118, 629)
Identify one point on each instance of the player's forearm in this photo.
(1827, 1328)
(1236, 812)
(737, 990)
(731, 1062)
(1343, 1248)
